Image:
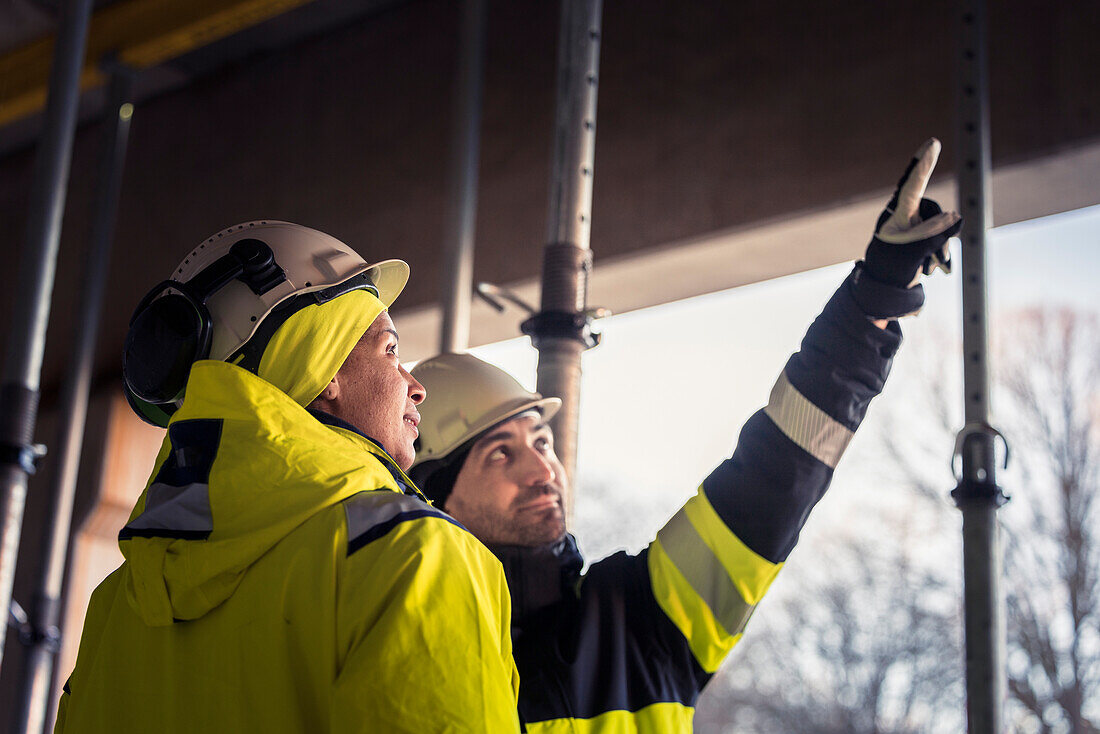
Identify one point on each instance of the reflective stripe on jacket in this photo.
(628, 646)
(283, 575)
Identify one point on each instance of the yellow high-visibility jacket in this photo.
(283, 575)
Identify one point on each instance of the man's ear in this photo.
(331, 391)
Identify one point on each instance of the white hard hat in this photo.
(311, 260)
(231, 293)
(467, 397)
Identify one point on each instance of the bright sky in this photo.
(667, 391)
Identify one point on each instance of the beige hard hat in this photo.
(467, 397)
(229, 295)
(312, 261)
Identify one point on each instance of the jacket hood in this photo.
(243, 464)
(309, 348)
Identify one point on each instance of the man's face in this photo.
(509, 490)
(377, 395)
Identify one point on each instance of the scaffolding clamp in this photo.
(980, 487)
(547, 324)
(27, 456)
(29, 634)
(575, 325)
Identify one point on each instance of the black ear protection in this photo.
(169, 331)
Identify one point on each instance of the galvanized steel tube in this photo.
(38, 674)
(978, 496)
(567, 258)
(27, 339)
(458, 264)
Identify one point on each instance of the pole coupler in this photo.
(29, 634)
(975, 485)
(574, 266)
(27, 456)
(18, 406)
(563, 325)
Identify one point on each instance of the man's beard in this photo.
(514, 525)
(523, 528)
(548, 528)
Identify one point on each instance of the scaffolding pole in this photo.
(26, 342)
(561, 331)
(458, 245)
(44, 636)
(977, 494)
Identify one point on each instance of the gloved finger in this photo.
(928, 208)
(912, 186)
(943, 223)
(940, 259)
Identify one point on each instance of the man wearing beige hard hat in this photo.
(629, 644)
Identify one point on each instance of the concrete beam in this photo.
(785, 246)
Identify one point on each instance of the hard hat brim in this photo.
(389, 277)
(546, 406)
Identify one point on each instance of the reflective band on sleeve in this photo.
(371, 514)
(704, 572)
(728, 577)
(752, 574)
(174, 511)
(806, 424)
(708, 640)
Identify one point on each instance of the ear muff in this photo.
(154, 415)
(171, 328)
(167, 335)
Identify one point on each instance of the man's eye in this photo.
(498, 454)
(392, 349)
(543, 445)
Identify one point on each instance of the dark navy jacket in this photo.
(628, 646)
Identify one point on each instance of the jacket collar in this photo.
(403, 482)
(540, 576)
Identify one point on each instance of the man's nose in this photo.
(538, 468)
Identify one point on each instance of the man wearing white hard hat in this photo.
(628, 645)
(282, 572)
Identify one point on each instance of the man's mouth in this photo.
(413, 419)
(549, 502)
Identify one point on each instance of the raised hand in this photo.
(911, 236)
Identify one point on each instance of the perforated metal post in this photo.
(458, 265)
(45, 639)
(561, 330)
(27, 339)
(977, 494)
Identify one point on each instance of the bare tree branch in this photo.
(868, 649)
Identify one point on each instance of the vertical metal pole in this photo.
(458, 266)
(38, 675)
(560, 331)
(23, 364)
(978, 495)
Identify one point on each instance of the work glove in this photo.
(911, 239)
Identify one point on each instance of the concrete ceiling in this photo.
(171, 43)
(728, 129)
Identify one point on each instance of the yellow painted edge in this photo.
(139, 33)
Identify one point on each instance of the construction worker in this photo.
(282, 573)
(628, 645)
